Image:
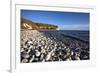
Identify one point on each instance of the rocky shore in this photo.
(47, 46)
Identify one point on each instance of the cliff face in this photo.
(27, 24)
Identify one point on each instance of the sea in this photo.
(79, 34)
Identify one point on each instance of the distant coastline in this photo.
(27, 24)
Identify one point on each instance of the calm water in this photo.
(83, 35)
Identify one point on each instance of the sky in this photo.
(64, 20)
